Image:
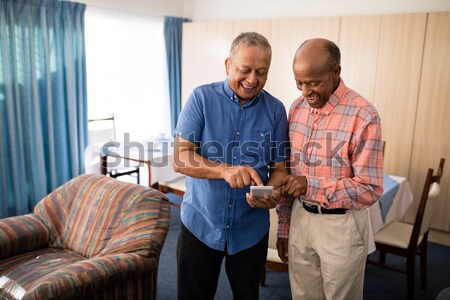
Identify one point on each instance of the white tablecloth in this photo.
(400, 205)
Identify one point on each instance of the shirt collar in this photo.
(332, 102)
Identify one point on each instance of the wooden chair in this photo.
(101, 131)
(273, 261)
(176, 186)
(408, 240)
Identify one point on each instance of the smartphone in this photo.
(261, 191)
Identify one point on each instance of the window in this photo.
(127, 72)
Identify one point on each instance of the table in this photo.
(157, 157)
(392, 206)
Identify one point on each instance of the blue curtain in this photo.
(173, 33)
(43, 119)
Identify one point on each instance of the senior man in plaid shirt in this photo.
(336, 168)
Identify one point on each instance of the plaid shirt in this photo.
(339, 149)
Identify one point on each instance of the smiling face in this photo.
(247, 71)
(314, 75)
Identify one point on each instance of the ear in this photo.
(337, 72)
(227, 65)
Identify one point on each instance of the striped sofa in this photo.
(92, 238)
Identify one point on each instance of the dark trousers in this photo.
(199, 268)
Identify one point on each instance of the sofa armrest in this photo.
(21, 234)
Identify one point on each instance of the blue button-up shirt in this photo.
(254, 134)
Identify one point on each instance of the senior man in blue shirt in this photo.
(230, 135)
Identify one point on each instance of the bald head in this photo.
(321, 54)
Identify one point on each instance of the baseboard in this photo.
(439, 237)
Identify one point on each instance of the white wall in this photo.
(150, 7)
(215, 10)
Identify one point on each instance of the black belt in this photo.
(314, 209)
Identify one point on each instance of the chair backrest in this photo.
(429, 208)
(95, 215)
(102, 130)
(427, 204)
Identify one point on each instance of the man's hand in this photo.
(294, 186)
(282, 246)
(267, 202)
(241, 176)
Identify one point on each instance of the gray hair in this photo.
(334, 58)
(250, 39)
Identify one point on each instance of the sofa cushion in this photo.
(21, 273)
(63, 274)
